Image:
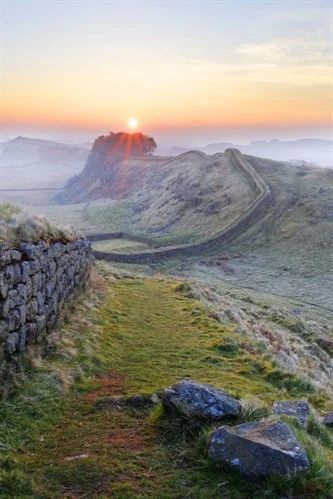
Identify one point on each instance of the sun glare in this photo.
(133, 123)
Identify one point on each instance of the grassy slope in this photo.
(298, 228)
(120, 246)
(182, 199)
(142, 335)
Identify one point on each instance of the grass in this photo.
(120, 246)
(17, 226)
(7, 211)
(138, 336)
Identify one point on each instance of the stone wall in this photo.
(243, 222)
(35, 281)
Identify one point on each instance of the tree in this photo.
(127, 144)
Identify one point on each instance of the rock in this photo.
(196, 400)
(137, 401)
(3, 329)
(11, 343)
(29, 250)
(328, 419)
(16, 256)
(296, 408)
(155, 398)
(259, 449)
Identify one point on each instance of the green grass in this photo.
(140, 336)
(120, 246)
(7, 211)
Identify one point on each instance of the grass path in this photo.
(146, 335)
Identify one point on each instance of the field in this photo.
(120, 246)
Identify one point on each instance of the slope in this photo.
(140, 336)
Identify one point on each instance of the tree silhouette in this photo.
(127, 144)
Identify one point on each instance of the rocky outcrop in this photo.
(259, 449)
(200, 401)
(107, 173)
(299, 409)
(36, 280)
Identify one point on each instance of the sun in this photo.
(133, 123)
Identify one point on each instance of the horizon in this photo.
(207, 76)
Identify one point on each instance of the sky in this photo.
(187, 70)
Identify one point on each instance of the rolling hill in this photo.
(31, 168)
(316, 152)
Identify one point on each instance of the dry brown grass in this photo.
(17, 226)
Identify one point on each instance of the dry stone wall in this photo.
(35, 281)
(243, 222)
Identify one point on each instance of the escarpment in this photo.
(108, 171)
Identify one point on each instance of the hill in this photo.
(177, 199)
(29, 167)
(315, 151)
(194, 197)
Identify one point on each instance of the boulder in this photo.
(258, 449)
(200, 401)
(328, 419)
(299, 409)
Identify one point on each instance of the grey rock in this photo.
(17, 274)
(14, 319)
(4, 330)
(32, 309)
(11, 343)
(22, 311)
(32, 291)
(13, 298)
(9, 274)
(36, 284)
(4, 309)
(3, 246)
(15, 256)
(259, 449)
(29, 250)
(155, 398)
(296, 408)
(4, 285)
(5, 258)
(137, 401)
(22, 290)
(25, 270)
(22, 339)
(196, 400)
(328, 419)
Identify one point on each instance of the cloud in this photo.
(288, 51)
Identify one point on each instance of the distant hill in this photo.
(38, 164)
(317, 151)
(23, 151)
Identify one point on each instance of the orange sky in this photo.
(90, 68)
